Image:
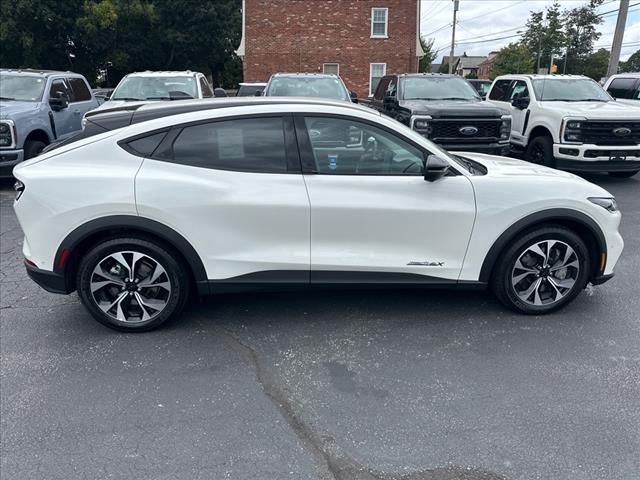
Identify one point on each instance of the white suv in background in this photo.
(624, 87)
(236, 194)
(570, 122)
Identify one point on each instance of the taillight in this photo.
(19, 188)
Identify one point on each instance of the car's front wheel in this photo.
(540, 151)
(132, 284)
(542, 270)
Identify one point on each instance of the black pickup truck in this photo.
(446, 109)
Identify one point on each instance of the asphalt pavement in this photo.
(334, 385)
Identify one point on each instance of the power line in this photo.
(486, 34)
(489, 39)
(613, 11)
(431, 33)
(493, 11)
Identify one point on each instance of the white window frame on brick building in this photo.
(379, 21)
(330, 66)
(379, 77)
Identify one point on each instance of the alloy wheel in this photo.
(130, 287)
(545, 272)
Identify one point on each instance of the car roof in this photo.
(39, 73)
(163, 73)
(252, 84)
(304, 74)
(626, 75)
(536, 76)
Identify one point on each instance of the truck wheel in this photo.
(32, 148)
(623, 174)
(540, 151)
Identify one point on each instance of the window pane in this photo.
(519, 90)
(206, 89)
(330, 68)
(377, 69)
(249, 145)
(58, 86)
(146, 145)
(379, 15)
(350, 147)
(499, 91)
(622, 87)
(79, 90)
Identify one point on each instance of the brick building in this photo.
(361, 40)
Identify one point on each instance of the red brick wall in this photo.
(301, 35)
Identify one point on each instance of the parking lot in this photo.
(401, 384)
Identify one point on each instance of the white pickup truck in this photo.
(570, 122)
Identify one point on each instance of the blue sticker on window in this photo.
(333, 161)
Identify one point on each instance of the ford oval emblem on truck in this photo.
(469, 130)
(621, 131)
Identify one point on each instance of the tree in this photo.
(596, 64)
(444, 68)
(429, 54)
(514, 58)
(580, 30)
(632, 64)
(545, 34)
(471, 75)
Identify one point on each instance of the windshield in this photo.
(21, 87)
(249, 90)
(323, 87)
(438, 88)
(155, 88)
(569, 90)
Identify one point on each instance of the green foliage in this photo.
(580, 30)
(545, 34)
(632, 64)
(595, 65)
(444, 68)
(429, 54)
(471, 75)
(125, 35)
(514, 58)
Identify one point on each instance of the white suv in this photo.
(570, 122)
(237, 194)
(624, 87)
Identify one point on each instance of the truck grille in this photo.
(446, 130)
(603, 132)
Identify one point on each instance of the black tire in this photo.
(501, 282)
(174, 296)
(540, 151)
(32, 148)
(624, 174)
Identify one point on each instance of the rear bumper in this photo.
(8, 160)
(51, 281)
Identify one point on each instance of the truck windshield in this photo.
(323, 87)
(438, 88)
(155, 88)
(25, 88)
(569, 90)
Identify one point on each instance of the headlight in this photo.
(7, 134)
(572, 130)
(505, 127)
(608, 203)
(421, 125)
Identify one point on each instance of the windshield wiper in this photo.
(6, 98)
(158, 98)
(128, 99)
(574, 100)
(457, 98)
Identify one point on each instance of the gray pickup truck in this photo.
(38, 107)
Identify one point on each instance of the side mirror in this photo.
(354, 96)
(435, 168)
(520, 102)
(59, 102)
(219, 92)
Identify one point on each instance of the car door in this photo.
(233, 188)
(80, 102)
(500, 96)
(61, 120)
(377, 100)
(519, 112)
(373, 216)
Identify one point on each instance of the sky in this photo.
(490, 20)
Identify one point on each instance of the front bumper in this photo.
(501, 149)
(8, 160)
(597, 158)
(51, 281)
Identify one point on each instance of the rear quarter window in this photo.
(144, 146)
(622, 87)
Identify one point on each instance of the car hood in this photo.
(10, 108)
(595, 110)
(452, 108)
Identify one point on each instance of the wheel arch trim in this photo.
(539, 218)
(140, 224)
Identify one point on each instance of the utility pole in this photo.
(453, 34)
(617, 38)
(539, 48)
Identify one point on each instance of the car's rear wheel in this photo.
(32, 148)
(132, 284)
(623, 174)
(542, 271)
(540, 151)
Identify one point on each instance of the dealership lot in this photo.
(335, 384)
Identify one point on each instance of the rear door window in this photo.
(622, 87)
(500, 90)
(243, 145)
